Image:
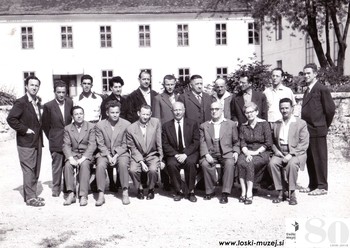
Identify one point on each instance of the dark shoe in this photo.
(125, 197)
(293, 200)
(34, 202)
(55, 194)
(192, 197)
(100, 200)
(166, 187)
(241, 199)
(208, 196)
(223, 199)
(70, 199)
(150, 194)
(248, 200)
(83, 201)
(140, 194)
(178, 196)
(40, 199)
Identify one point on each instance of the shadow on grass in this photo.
(97, 243)
(55, 242)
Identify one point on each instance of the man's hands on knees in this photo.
(181, 158)
(73, 161)
(144, 167)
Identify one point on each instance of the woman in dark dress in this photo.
(256, 141)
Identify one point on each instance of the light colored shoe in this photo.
(70, 199)
(125, 197)
(83, 201)
(100, 200)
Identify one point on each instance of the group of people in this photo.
(247, 134)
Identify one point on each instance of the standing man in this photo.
(318, 110)
(197, 102)
(290, 142)
(219, 143)
(112, 151)
(180, 138)
(115, 85)
(274, 94)
(223, 96)
(143, 95)
(88, 100)
(79, 144)
(25, 119)
(56, 116)
(145, 143)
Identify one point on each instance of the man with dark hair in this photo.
(25, 119)
(143, 95)
(115, 85)
(290, 142)
(56, 116)
(223, 96)
(247, 95)
(318, 110)
(112, 150)
(79, 144)
(145, 143)
(197, 102)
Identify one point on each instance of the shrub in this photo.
(7, 96)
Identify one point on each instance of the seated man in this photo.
(79, 145)
(219, 143)
(112, 150)
(180, 138)
(291, 140)
(145, 143)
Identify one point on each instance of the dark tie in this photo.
(179, 137)
(199, 99)
(306, 92)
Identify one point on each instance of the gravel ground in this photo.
(157, 223)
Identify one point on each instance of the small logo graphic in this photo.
(296, 226)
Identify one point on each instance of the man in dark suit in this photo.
(79, 144)
(56, 116)
(112, 151)
(318, 110)
(143, 95)
(25, 119)
(145, 143)
(180, 139)
(219, 143)
(246, 95)
(290, 142)
(197, 102)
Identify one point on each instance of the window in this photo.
(144, 36)
(309, 50)
(278, 27)
(67, 37)
(279, 64)
(106, 36)
(27, 37)
(221, 72)
(106, 76)
(182, 35)
(221, 36)
(184, 74)
(253, 33)
(25, 75)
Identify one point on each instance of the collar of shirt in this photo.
(145, 92)
(31, 100)
(248, 92)
(312, 85)
(180, 121)
(78, 126)
(221, 120)
(292, 119)
(224, 96)
(257, 120)
(195, 94)
(92, 95)
(60, 104)
(143, 125)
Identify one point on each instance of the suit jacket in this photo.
(111, 142)
(318, 110)
(112, 97)
(298, 139)
(227, 105)
(162, 107)
(141, 150)
(237, 105)
(229, 139)
(134, 101)
(22, 117)
(190, 134)
(195, 111)
(83, 143)
(53, 123)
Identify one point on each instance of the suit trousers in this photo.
(189, 166)
(284, 176)
(83, 176)
(153, 163)
(122, 169)
(57, 168)
(30, 161)
(317, 163)
(209, 173)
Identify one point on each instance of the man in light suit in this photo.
(112, 150)
(246, 95)
(180, 138)
(79, 144)
(291, 140)
(145, 143)
(25, 119)
(197, 102)
(223, 96)
(219, 143)
(318, 110)
(56, 116)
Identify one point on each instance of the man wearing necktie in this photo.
(318, 110)
(180, 139)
